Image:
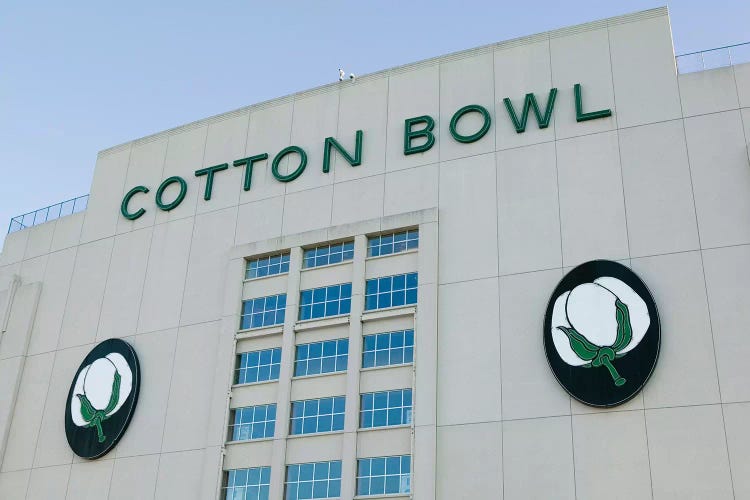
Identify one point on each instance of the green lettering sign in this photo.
(530, 102)
(333, 143)
(209, 173)
(126, 200)
(180, 196)
(410, 135)
(300, 168)
(471, 108)
(593, 115)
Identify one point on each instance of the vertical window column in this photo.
(278, 458)
(351, 423)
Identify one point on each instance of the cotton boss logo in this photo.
(601, 333)
(102, 398)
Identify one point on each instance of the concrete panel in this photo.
(305, 449)
(14, 247)
(358, 200)
(384, 442)
(10, 377)
(20, 319)
(721, 178)
(686, 372)
(688, 453)
(48, 483)
(161, 301)
(538, 459)
(412, 94)
(269, 132)
(742, 77)
(470, 461)
(134, 477)
(316, 277)
(39, 240)
(708, 91)
(67, 231)
(469, 80)
(611, 455)
(736, 417)
(322, 386)
(469, 375)
(644, 48)
(127, 273)
(658, 189)
(307, 210)
(519, 71)
(51, 310)
(226, 142)
(384, 379)
(86, 292)
(314, 119)
(727, 278)
(410, 190)
(32, 270)
(90, 480)
(190, 391)
(263, 393)
(179, 476)
(362, 106)
(144, 169)
(592, 209)
(528, 209)
(259, 221)
(528, 387)
(184, 156)
(248, 454)
(52, 447)
(273, 285)
(14, 484)
(103, 209)
(24, 431)
(582, 58)
(206, 277)
(393, 264)
(212, 474)
(468, 211)
(156, 352)
(224, 364)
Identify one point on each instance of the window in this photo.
(325, 301)
(328, 254)
(248, 484)
(381, 409)
(318, 415)
(253, 422)
(258, 366)
(267, 266)
(263, 311)
(383, 475)
(321, 357)
(391, 291)
(386, 244)
(383, 349)
(314, 480)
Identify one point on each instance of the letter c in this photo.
(124, 205)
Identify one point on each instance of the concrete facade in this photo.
(662, 185)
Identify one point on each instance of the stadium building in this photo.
(514, 272)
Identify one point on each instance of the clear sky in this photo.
(78, 77)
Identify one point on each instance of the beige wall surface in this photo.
(662, 185)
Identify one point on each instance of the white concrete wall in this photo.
(662, 185)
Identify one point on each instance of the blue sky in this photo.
(79, 77)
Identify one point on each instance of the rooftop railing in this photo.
(49, 213)
(713, 58)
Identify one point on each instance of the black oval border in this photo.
(568, 376)
(83, 441)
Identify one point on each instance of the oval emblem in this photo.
(601, 333)
(102, 398)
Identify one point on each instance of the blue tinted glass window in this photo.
(267, 266)
(328, 254)
(263, 311)
(317, 415)
(325, 301)
(258, 366)
(247, 483)
(253, 422)
(384, 475)
(321, 357)
(387, 244)
(392, 348)
(391, 291)
(387, 408)
(313, 480)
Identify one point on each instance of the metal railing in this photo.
(52, 212)
(713, 58)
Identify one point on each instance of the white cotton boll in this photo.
(591, 311)
(561, 341)
(97, 384)
(637, 309)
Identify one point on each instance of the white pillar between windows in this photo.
(278, 457)
(351, 419)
